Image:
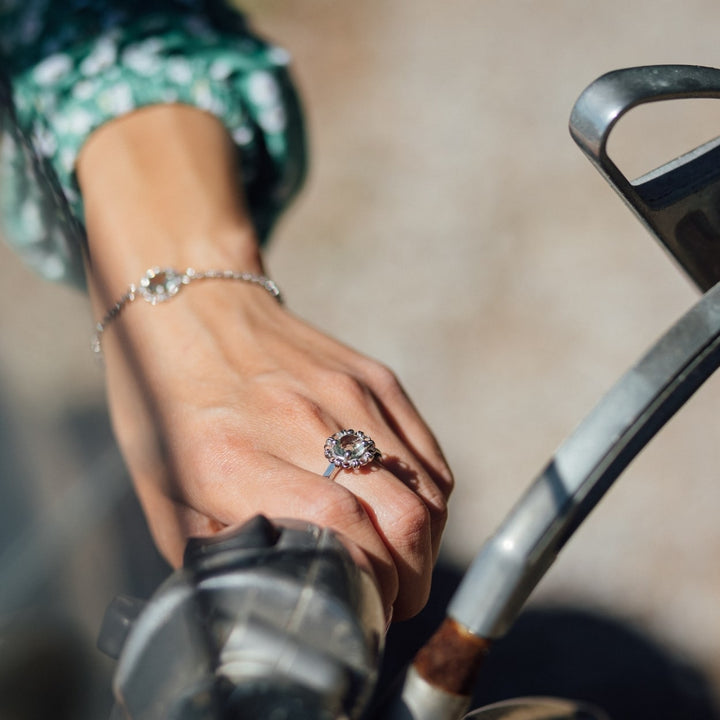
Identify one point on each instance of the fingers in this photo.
(401, 520)
(171, 523)
(284, 492)
(394, 510)
(405, 421)
(246, 437)
(357, 382)
(375, 402)
(391, 509)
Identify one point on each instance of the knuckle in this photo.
(437, 504)
(382, 377)
(200, 470)
(347, 386)
(411, 603)
(440, 477)
(441, 473)
(413, 524)
(448, 482)
(301, 410)
(293, 407)
(337, 508)
(215, 452)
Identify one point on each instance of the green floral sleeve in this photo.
(70, 67)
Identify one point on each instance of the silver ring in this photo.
(349, 449)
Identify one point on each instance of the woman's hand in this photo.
(220, 398)
(221, 402)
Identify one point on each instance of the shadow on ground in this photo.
(573, 653)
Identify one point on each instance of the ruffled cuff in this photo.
(157, 58)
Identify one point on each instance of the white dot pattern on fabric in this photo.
(67, 161)
(151, 46)
(52, 68)
(44, 141)
(278, 55)
(117, 99)
(102, 57)
(273, 120)
(52, 267)
(31, 218)
(69, 193)
(141, 60)
(262, 88)
(79, 121)
(202, 94)
(83, 90)
(221, 69)
(242, 135)
(179, 70)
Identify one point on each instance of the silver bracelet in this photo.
(161, 284)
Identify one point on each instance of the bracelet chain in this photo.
(161, 284)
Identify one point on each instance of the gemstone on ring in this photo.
(350, 449)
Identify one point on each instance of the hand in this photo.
(221, 402)
(221, 399)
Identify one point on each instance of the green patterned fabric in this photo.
(70, 67)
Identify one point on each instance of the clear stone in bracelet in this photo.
(159, 285)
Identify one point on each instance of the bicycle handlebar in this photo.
(263, 620)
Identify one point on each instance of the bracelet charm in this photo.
(159, 285)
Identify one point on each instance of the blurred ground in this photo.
(451, 228)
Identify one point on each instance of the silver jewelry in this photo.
(160, 284)
(349, 449)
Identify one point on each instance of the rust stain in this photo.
(452, 658)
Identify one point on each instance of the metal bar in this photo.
(512, 562)
(679, 202)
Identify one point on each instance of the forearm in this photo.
(160, 187)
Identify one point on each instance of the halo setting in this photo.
(350, 449)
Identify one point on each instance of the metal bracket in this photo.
(678, 202)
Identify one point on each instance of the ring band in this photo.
(349, 449)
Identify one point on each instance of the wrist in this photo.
(161, 188)
(162, 285)
(111, 275)
(206, 317)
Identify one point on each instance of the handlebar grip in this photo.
(261, 618)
